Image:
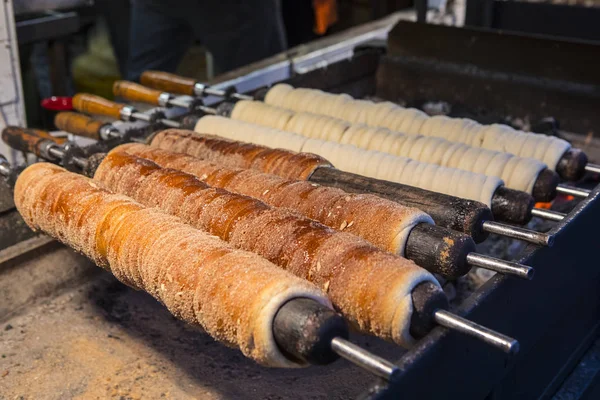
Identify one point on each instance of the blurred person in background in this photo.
(236, 33)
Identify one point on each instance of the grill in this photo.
(555, 315)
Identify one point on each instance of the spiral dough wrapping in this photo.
(234, 295)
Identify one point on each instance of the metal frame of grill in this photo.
(554, 316)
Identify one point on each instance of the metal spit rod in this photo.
(573, 191)
(593, 168)
(515, 232)
(548, 214)
(453, 321)
(501, 266)
(129, 113)
(108, 131)
(59, 153)
(201, 89)
(185, 102)
(364, 359)
(389, 371)
(4, 166)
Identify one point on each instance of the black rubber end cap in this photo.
(476, 221)
(427, 298)
(571, 166)
(304, 328)
(189, 122)
(514, 206)
(439, 250)
(544, 188)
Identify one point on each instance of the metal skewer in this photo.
(593, 168)
(201, 89)
(501, 266)
(453, 321)
(57, 152)
(168, 100)
(109, 132)
(515, 232)
(548, 214)
(364, 359)
(573, 191)
(129, 113)
(4, 166)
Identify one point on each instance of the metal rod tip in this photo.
(513, 348)
(364, 359)
(592, 168)
(487, 335)
(573, 191)
(549, 215)
(515, 232)
(501, 266)
(170, 124)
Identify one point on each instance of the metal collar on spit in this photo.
(4, 166)
(201, 90)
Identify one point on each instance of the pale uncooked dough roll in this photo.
(247, 132)
(317, 126)
(457, 155)
(277, 94)
(377, 140)
(294, 242)
(426, 149)
(546, 149)
(378, 111)
(307, 100)
(257, 112)
(234, 295)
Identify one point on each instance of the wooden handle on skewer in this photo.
(46, 135)
(26, 140)
(168, 82)
(79, 124)
(91, 104)
(136, 92)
